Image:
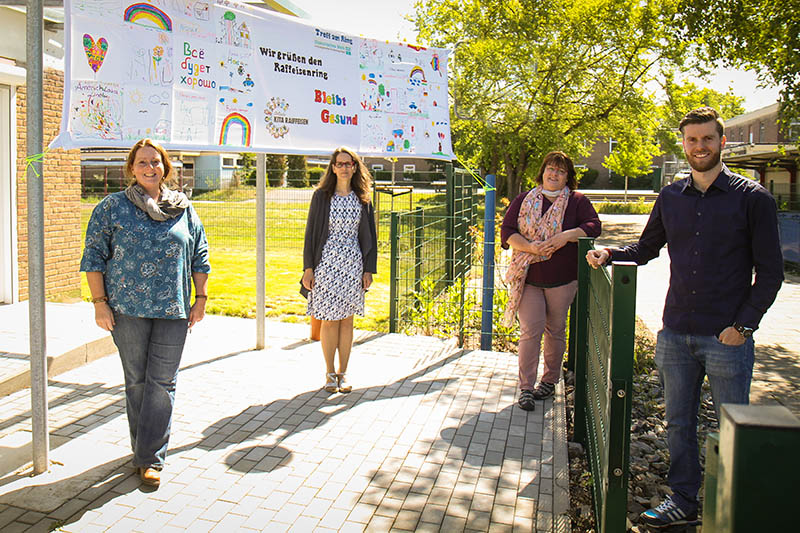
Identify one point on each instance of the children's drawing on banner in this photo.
(234, 122)
(192, 118)
(373, 92)
(196, 30)
(152, 62)
(373, 133)
(186, 8)
(95, 51)
(147, 112)
(370, 55)
(236, 71)
(232, 30)
(436, 65)
(148, 16)
(96, 110)
(99, 52)
(94, 8)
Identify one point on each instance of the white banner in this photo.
(226, 76)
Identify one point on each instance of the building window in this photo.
(741, 135)
(612, 145)
(762, 133)
(227, 161)
(409, 168)
(794, 131)
(377, 166)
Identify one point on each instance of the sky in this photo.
(384, 20)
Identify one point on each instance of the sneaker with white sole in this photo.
(668, 514)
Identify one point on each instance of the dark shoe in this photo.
(544, 390)
(150, 476)
(526, 400)
(668, 514)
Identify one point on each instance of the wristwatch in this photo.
(744, 331)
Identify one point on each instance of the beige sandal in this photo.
(344, 385)
(332, 382)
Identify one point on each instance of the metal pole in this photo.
(261, 246)
(35, 187)
(488, 265)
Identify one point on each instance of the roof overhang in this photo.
(757, 156)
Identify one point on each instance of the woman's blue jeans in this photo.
(150, 350)
(683, 360)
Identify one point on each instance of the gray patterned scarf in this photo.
(169, 205)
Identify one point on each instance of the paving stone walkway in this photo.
(430, 439)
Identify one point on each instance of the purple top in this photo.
(562, 267)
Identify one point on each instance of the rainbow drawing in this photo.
(232, 120)
(417, 71)
(147, 15)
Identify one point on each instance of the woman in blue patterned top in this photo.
(144, 247)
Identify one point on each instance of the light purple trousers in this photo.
(543, 313)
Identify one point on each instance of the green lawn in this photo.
(231, 230)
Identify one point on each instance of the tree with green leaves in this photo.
(276, 169)
(298, 174)
(762, 35)
(529, 76)
(683, 97)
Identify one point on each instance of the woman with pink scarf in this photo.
(542, 226)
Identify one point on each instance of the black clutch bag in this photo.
(303, 289)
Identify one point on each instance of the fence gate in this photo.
(604, 323)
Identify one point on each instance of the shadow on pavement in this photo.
(94, 487)
(780, 368)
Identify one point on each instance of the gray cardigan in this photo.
(317, 233)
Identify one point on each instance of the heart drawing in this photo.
(95, 51)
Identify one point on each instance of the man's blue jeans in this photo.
(150, 350)
(683, 360)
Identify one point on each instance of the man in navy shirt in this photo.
(718, 227)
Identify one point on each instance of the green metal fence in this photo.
(601, 341)
(437, 272)
(431, 260)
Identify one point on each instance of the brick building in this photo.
(61, 169)
(757, 143)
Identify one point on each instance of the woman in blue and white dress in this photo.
(339, 257)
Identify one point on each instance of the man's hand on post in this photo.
(597, 258)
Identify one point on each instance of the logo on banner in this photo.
(277, 120)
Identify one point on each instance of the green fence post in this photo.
(710, 483)
(757, 469)
(623, 322)
(419, 235)
(394, 258)
(581, 318)
(449, 229)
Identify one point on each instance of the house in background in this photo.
(756, 142)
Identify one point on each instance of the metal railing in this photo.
(602, 328)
